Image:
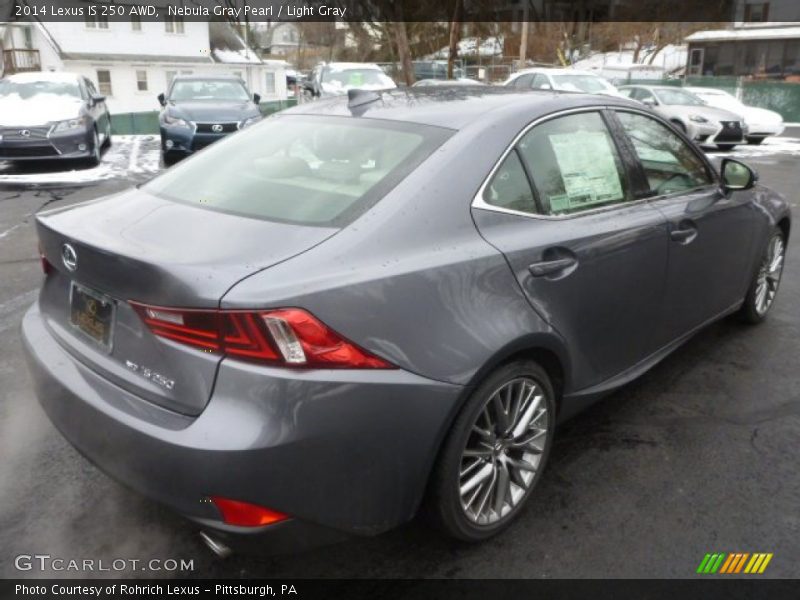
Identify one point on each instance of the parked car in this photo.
(336, 79)
(352, 309)
(568, 80)
(52, 116)
(702, 123)
(434, 69)
(198, 111)
(760, 122)
(447, 82)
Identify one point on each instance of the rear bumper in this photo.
(341, 452)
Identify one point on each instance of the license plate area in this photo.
(92, 313)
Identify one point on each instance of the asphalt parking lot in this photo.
(697, 456)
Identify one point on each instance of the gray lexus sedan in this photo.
(385, 301)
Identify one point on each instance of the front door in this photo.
(589, 256)
(710, 234)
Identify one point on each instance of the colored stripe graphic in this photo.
(734, 562)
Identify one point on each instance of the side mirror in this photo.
(97, 99)
(256, 98)
(162, 99)
(737, 176)
(651, 102)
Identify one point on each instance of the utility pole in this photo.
(523, 44)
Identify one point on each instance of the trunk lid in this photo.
(136, 246)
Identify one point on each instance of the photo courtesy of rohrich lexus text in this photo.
(343, 299)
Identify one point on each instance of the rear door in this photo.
(710, 234)
(589, 255)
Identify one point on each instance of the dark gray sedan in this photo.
(369, 304)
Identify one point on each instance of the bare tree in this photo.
(455, 35)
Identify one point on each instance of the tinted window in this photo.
(301, 169)
(208, 89)
(678, 97)
(580, 83)
(574, 164)
(509, 187)
(670, 164)
(523, 81)
(540, 82)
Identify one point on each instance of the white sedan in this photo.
(571, 80)
(760, 121)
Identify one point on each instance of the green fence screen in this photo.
(143, 123)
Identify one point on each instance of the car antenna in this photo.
(356, 97)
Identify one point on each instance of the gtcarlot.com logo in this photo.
(729, 563)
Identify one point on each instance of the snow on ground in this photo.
(786, 146)
(613, 64)
(129, 157)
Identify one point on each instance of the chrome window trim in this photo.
(479, 202)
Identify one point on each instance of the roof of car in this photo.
(352, 65)
(206, 78)
(555, 71)
(455, 107)
(33, 76)
(652, 87)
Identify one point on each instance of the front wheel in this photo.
(495, 453)
(94, 158)
(764, 287)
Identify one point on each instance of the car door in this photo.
(588, 254)
(710, 233)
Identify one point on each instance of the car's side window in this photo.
(523, 81)
(574, 164)
(540, 82)
(670, 164)
(509, 187)
(627, 92)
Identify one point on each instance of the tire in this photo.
(95, 157)
(726, 147)
(107, 141)
(755, 141)
(455, 470)
(770, 268)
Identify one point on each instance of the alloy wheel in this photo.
(503, 451)
(769, 275)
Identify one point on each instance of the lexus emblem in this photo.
(69, 257)
(25, 133)
(216, 128)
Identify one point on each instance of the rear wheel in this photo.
(764, 287)
(495, 453)
(755, 141)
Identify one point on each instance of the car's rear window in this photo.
(310, 170)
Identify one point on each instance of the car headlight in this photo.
(250, 121)
(698, 119)
(71, 124)
(175, 121)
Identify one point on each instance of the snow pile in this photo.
(491, 46)
(610, 64)
(243, 56)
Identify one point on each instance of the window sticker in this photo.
(588, 169)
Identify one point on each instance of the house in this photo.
(752, 45)
(132, 62)
(278, 39)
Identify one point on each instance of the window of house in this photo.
(104, 82)
(173, 24)
(141, 81)
(136, 23)
(757, 12)
(269, 83)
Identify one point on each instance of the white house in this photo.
(132, 62)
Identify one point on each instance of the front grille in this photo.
(27, 151)
(209, 127)
(731, 132)
(18, 134)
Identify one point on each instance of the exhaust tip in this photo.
(217, 547)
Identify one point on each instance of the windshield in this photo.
(29, 89)
(301, 169)
(580, 83)
(720, 100)
(353, 78)
(678, 97)
(209, 89)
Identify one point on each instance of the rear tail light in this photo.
(288, 337)
(244, 514)
(47, 268)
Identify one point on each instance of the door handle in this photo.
(683, 235)
(551, 267)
